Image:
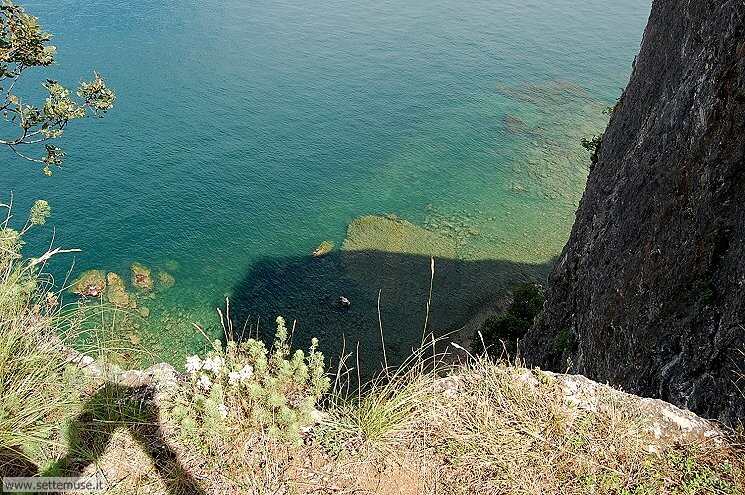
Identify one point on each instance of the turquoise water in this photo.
(246, 132)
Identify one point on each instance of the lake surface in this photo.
(247, 132)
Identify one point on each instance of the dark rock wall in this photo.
(649, 292)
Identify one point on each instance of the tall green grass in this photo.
(33, 383)
(40, 389)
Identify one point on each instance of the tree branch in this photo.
(45, 257)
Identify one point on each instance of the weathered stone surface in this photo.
(160, 375)
(665, 422)
(649, 292)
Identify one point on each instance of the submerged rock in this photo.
(116, 293)
(142, 277)
(144, 312)
(91, 283)
(394, 235)
(172, 265)
(323, 249)
(165, 279)
(514, 124)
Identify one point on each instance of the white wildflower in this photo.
(246, 372)
(234, 377)
(238, 376)
(204, 382)
(223, 410)
(213, 364)
(193, 364)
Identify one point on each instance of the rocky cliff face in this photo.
(649, 292)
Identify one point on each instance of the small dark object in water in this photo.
(343, 302)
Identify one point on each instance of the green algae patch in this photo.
(91, 283)
(165, 279)
(394, 235)
(116, 292)
(142, 277)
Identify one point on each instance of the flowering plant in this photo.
(246, 385)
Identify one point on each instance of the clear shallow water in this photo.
(247, 132)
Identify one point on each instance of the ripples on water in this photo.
(247, 132)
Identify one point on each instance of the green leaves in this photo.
(96, 95)
(509, 326)
(593, 146)
(40, 211)
(22, 41)
(23, 45)
(58, 106)
(54, 156)
(273, 391)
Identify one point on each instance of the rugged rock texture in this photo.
(649, 292)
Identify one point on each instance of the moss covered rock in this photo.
(91, 283)
(116, 292)
(142, 277)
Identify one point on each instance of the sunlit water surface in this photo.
(247, 132)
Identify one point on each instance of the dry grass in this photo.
(475, 427)
(34, 386)
(509, 430)
(40, 390)
(495, 428)
(486, 428)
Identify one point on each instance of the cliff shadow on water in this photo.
(307, 290)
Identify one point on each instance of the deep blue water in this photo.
(246, 132)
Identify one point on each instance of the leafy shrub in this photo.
(593, 146)
(527, 301)
(245, 385)
(25, 45)
(506, 327)
(511, 325)
(565, 341)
